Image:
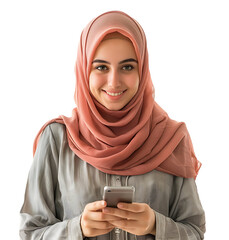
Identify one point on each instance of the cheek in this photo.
(133, 82)
(95, 82)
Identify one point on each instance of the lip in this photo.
(115, 95)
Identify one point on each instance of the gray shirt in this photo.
(60, 184)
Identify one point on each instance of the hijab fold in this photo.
(136, 139)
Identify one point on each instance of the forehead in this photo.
(115, 48)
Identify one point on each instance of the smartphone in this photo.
(114, 195)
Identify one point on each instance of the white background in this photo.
(188, 44)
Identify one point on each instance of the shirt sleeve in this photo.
(39, 218)
(187, 217)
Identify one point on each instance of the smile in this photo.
(114, 94)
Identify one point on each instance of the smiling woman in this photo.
(118, 136)
(114, 76)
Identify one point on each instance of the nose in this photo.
(114, 79)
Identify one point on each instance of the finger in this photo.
(133, 226)
(95, 206)
(120, 213)
(126, 224)
(99, 216)
(132, 207)
(97, 225)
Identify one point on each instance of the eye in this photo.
(102, 68)
(128, 67)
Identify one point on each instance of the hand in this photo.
(94, 222)
(136, 218)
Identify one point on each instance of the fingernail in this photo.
(120, 205)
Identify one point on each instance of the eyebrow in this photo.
(128, 60)
(123, 61)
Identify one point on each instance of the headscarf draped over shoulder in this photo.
(136, 139)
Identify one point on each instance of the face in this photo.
(114, 76)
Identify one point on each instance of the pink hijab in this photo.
(136, 139)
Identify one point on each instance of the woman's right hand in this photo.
(94, 222)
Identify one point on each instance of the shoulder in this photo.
(54, 129)
(52, 136)
(55, 132)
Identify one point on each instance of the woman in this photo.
(117, 136)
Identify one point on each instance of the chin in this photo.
(113, 108)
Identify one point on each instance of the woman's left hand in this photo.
(138, 218)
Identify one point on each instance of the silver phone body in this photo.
(114, 195)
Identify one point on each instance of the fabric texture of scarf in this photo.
(136, 139)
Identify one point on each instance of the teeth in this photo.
(114, 94)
